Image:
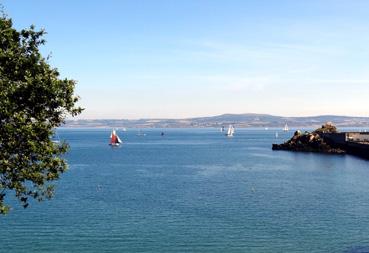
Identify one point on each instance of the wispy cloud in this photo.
(223, 50)
(342, 81)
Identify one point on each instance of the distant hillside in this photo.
(239, 120)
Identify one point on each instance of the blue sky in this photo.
(174, 59)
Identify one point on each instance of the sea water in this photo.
(195, 190)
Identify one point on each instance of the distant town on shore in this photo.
(239, 120)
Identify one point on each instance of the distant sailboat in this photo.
(222, 129)
(276, 135)
(285, 128)
(230, 131)
(114, 139)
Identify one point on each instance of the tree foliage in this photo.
(34, 100)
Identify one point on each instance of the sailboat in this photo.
(285, 128)
(222, 129)
(114, 139)
(230, 131)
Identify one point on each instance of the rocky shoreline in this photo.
(310, 142)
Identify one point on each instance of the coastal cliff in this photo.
(311, 141)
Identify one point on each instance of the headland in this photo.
(327, 139)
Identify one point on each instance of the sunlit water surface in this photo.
(195, 190)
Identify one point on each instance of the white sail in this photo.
(230, 131)
(285, 128)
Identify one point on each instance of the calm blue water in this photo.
(195, 190)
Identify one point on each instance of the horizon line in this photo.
(218, 115)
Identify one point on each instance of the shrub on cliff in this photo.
(326, 128)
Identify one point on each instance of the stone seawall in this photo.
(358, 149)
(327, 140)
(339, 140)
